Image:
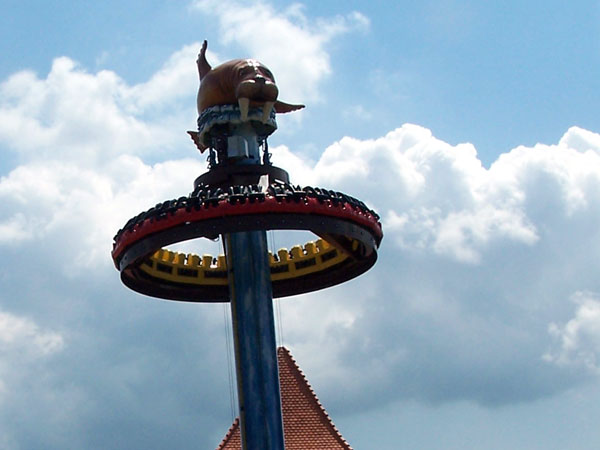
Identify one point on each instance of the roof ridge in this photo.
(309, 427)
(286, 353)
(232, 429)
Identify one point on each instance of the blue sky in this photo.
(471, 71)
(471, 127)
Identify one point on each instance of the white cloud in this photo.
(430, 194)
(178, 78)
(90, 118)
(78, 136)
(288, 42)
(14, 229)
(23, 346)
(475, 262)
(581, 140)
(578, 341)
(48, 202)
(18, 334)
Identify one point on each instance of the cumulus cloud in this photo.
(432, 195)
(178, 78)
(18, 334)
(90, 118)
(578, 341)
(23, 348)
(268, 35)
(79, 137)
(45, 201)
(474, 264)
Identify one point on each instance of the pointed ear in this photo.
(196, 138)
(282, 107)
(203, 65)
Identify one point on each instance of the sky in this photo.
(471, 127)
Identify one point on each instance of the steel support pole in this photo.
(254, 340)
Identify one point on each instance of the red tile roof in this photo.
(306, 425)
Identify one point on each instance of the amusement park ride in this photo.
(240, 197)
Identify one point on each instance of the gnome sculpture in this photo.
(237, 92)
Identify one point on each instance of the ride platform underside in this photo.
(348, 236)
